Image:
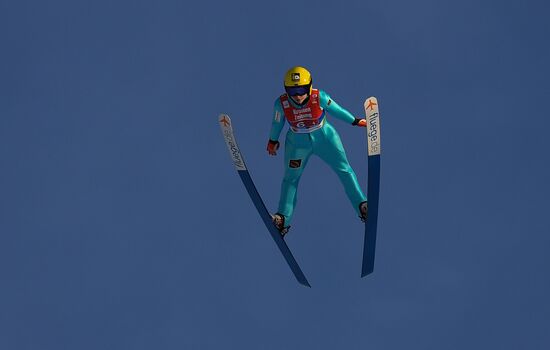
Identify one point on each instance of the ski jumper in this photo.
(311, 133)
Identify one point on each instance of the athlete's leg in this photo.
(297, 153)
(328, 146)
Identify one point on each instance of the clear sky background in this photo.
(123, 224)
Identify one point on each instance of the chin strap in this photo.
(305, 101)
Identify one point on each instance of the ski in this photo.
(238, 161)
(373, 184)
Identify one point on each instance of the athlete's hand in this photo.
(360, 122)
(272, 147)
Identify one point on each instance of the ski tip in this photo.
(224, 120)
(371, 104)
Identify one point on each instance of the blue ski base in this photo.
(373, 189)
(268, 221)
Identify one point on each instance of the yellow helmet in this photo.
(298, 81)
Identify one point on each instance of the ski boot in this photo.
(279, 222)
(363, 209)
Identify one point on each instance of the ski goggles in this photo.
(297, 90)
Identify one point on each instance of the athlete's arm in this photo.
(334, 109)
(277, 122)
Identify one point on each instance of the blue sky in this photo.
(123, 224)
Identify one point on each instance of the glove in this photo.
(360, 122)
(272, 147)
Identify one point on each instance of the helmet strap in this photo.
(303, 103)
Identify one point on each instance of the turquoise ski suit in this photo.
(323, 142)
